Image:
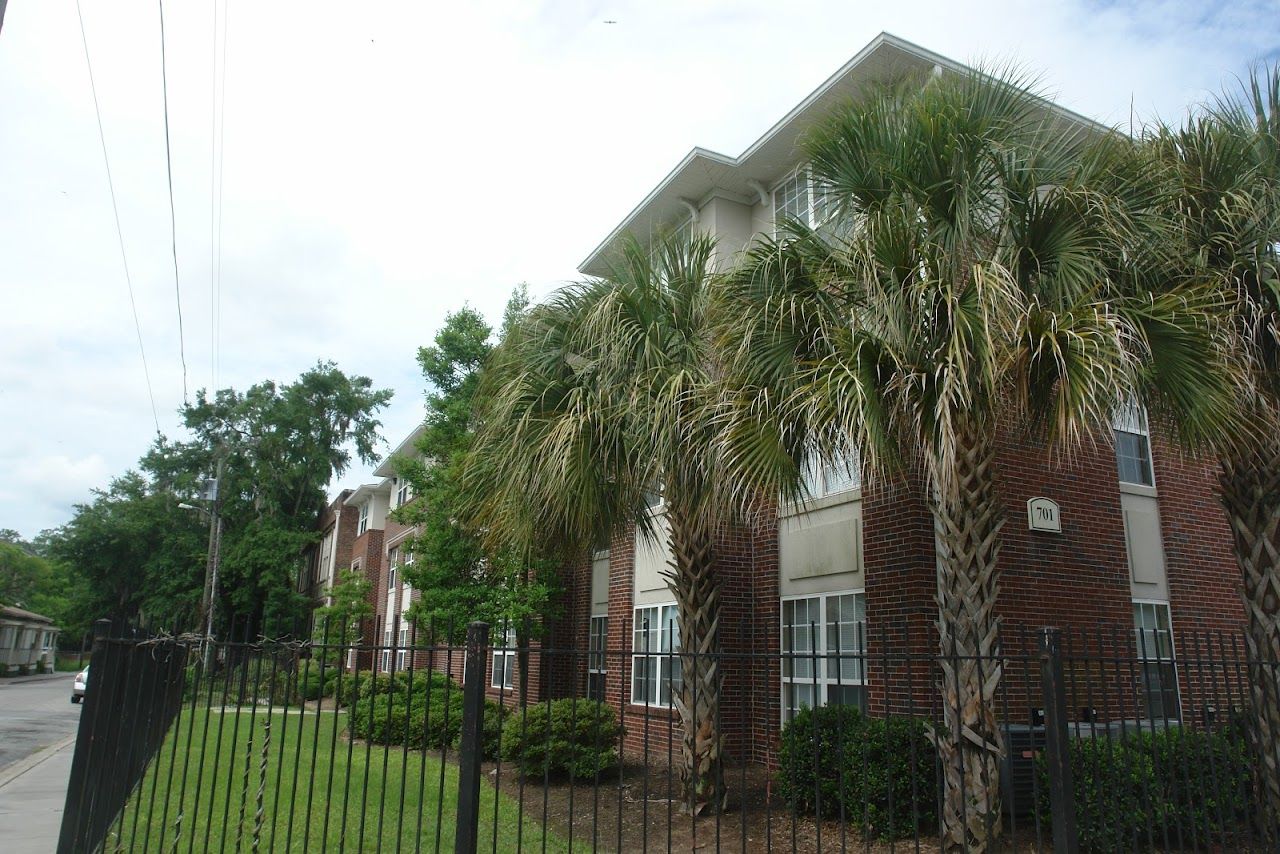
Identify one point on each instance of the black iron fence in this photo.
(1104, 741)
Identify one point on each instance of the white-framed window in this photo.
(504, 661)
(1153, 634)
(1133, 444)
(393, 565)
(406, 558)
(824, 646)
(363, 524)
(401, 648)
(404, 492)
(799, 197)
(7, 636)
(597, 637)
(655, 670)
(828, 477)
(48, 641)
(385, 656)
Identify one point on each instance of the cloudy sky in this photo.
(383, 163)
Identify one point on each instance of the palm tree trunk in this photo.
(696, 587)
(1250, 483)
(967, 521)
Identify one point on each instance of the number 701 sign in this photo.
(1043, 515)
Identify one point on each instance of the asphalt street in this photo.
(34, 715)
(37, 727)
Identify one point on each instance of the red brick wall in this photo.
(1077, 580)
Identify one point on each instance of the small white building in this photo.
(27, 641)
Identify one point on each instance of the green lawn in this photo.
(348, 780)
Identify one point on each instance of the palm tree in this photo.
(603, 396)
(966, 283)
(1223, 171)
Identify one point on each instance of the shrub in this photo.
(491, 724)
(310, 685)
(418, 719)
(1137, 788)
(400, 683)
(876, 772)
(568, 736)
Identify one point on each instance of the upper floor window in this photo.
(393, 562)
(1133, 444)
(363, 525)
(799, 197)
(404, 492)
(827, 477)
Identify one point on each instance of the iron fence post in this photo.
(73, 818)
(469, 754)
(1062, 804)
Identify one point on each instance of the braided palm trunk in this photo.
(1250, 483)
(696, 587)
(967, 521)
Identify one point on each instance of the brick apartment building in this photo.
(1130, 538)
(1126, 538)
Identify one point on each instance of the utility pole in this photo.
(210, 603)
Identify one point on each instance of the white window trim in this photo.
(594, 655)
(404, 491)
(384, 654)
(823, 682)
(811, 205)
(402, 645)
(502, 653)
(1130, 417)
(1172, 659)
(363, 524)
(664, 660)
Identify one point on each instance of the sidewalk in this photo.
(32, 793)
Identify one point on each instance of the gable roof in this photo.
(703, 172)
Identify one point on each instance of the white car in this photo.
(78, 686)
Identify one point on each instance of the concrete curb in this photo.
(36, 677)
(14, 770)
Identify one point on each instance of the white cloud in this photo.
(385, 163)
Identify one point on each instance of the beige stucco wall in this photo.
(600, 584)
(1144, 544)
(820, 551)
(652, 554)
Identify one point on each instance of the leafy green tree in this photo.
(458, 576)
(279, 446)
(141, 558)
(969, 280)
(349, 604)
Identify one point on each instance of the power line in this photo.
(111, 185)
(173, 217)
(213, 167)
(222, 157)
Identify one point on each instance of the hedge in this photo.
(878, 773)
(1135, 791)
(570, 736)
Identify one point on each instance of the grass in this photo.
(69, 664)
(274, 760)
